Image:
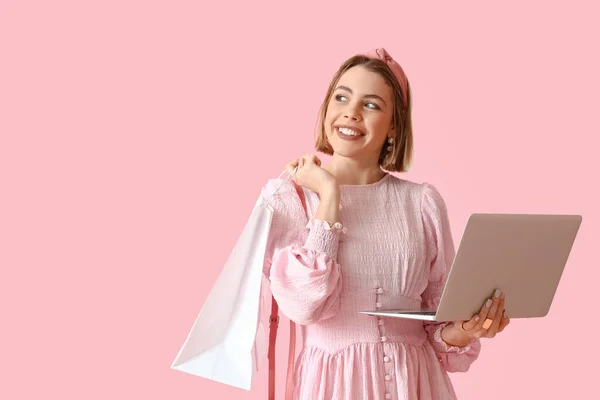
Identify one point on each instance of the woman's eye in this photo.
(370, 105)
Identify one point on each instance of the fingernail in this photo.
(497, 293)
(477, 318)
(488, 303)
(502, 295)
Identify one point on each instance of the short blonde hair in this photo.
(400, 157)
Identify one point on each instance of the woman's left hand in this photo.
(488, 323)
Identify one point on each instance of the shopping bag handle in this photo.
(286, 180)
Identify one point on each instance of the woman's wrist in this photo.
(454, 336)
(329, 204)
(330, 189)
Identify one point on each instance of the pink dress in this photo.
(392, 250)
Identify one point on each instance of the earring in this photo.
(391, 144)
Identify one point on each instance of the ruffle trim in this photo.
(314, 222)
(445, 347)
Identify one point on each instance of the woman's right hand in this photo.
(310, 174)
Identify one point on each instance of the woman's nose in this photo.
(352, 112)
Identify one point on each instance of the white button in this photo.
(379, 290)
(388, 396)
(386, 359)
(378, 305)
(380, 322)
(338, 225)
(384, 338)
(387, 377)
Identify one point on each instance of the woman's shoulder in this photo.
(289, 213)
(279, 188)
(424, 188)
(282, 195)
(427, 192)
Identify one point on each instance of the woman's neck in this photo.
(353, 172)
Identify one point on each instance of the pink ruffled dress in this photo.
(393, 249)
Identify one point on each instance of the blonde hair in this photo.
(400, 157)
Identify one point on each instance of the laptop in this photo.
(523, 255)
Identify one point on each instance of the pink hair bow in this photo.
(396, 69)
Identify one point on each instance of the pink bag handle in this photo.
(273, 326)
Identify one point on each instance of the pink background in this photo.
(136, 136)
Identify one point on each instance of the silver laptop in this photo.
(523, 255)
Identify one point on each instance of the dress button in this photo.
(380, 322)
(378, 305)
(379, 290)
(386, 359)
(387, 377)
(388, 395)
(384, 338)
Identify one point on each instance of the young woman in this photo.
(351, 237)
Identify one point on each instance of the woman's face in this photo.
(358, 120)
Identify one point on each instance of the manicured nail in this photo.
(497, 293)
(477, 318)
(488, 303)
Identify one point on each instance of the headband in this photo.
(381, 54)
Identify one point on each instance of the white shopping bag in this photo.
(227, 341)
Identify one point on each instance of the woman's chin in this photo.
(345, 152)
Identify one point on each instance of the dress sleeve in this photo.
(440, 254)
(301, 259)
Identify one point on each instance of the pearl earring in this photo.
(391, 144)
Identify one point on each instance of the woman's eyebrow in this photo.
(368, 96)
